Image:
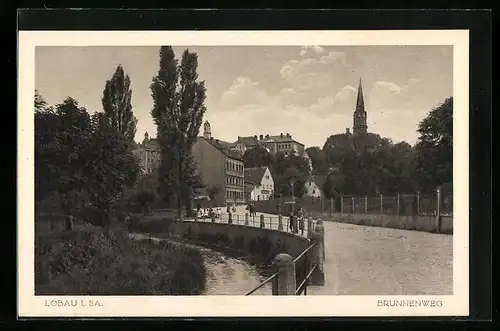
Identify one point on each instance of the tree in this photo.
(434, 148)
(110, 166)
(213, 192)
(145, 199)
(40, 103)
(318, 159)
(61, 137)
(116, 102)
(257, 157)
(178, 109)
(288, 169)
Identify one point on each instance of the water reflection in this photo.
(225, 275)
(230, 276)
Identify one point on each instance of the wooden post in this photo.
(366, 204)
(246, 219)
(196, 217)
(341, 204)
(418, 203)
(286, 282)
(399, 207)
(381, 203)
(353, 204)
(69, 222)
(280, 222)
(438, 211)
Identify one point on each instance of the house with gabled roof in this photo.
(259, 184)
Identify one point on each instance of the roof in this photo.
(224, 147)
(248, 141)
(249, 187)
(254, 175)
(282, 139)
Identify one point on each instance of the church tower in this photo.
(206, 130)
(360, 125)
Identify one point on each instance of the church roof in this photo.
(360, 102)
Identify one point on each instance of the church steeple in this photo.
(360, 125)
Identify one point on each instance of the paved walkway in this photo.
(364, 260)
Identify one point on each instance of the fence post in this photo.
(285, 283)
(438, 211)
(280, 222)
(341, 204)
(353, 204)
(69, 222)
(246, 218)
(399, 206)
(309, 227)
(418, 202)
(366, 204)
(381, 203)
(318, 275)
(262, 221)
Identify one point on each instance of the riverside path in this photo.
(364, 260)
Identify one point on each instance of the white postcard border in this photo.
(30, 305)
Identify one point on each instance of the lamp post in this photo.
(438, 210)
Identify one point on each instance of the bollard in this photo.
(285, 283)
(309, 227)
(69, 222)
(321, 230)
(262, 225)
(317, 258)
(280, 222)
(246, 218)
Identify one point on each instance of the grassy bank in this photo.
(90, 260)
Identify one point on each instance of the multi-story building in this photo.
(259, 184)
(220, 165)
(283, 143)
(148, 153)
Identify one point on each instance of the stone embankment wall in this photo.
(260, 244)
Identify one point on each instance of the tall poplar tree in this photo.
(178, 109)
(116, 103)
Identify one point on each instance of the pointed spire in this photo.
(360, 103)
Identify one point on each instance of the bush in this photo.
(95, 261)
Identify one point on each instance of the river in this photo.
(226, 275)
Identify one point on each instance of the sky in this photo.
(306, 91)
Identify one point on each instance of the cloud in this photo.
(243, 91)
(311, 50)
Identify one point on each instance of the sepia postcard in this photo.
(243, 173)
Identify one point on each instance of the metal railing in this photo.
(302, 288)
(269, 222)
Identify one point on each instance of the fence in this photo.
(306, 268)
(298, 227)
(402, 204)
